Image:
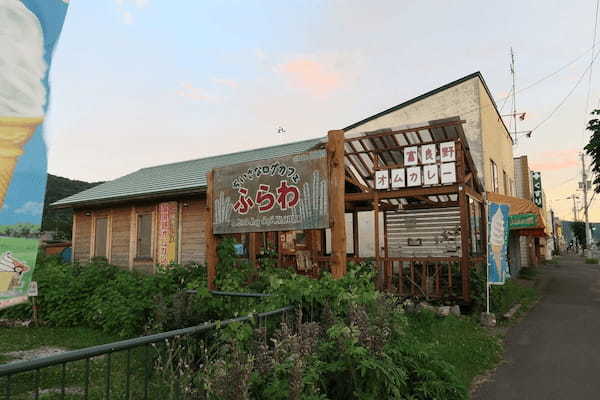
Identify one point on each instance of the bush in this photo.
(101, 296)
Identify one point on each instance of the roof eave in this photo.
(128, 199)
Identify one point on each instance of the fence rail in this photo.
(10, 370)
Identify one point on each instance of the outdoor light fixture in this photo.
(185, 204)
(88, 213)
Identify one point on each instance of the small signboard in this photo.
(398, 178)
(536, 180)
(167, 232)
(33, 289)
(497, 260)
(520, 221)
(280, 194)
(382, 180)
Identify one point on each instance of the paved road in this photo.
(554, 353)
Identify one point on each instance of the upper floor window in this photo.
(505, 182)
(495, 185)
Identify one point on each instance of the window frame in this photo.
(495, 184)
(138, 256)
(93, 252)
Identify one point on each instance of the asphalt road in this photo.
(554, 353)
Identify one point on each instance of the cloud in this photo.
(197, 94)
(226, 82)
(30, 208)
(127, 18)
(555, 160)
(312, 76)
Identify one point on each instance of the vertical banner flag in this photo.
(497, 260)
(167, 233)
(29, 30)
(536, 180)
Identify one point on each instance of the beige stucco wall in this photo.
(461, 100)
(497, 146)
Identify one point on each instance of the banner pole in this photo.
(487, 251)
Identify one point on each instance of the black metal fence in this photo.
(121, 369)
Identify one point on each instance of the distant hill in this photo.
(56, 189)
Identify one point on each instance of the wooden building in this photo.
(430, 234)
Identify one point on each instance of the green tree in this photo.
(593, 147)
(578, 228)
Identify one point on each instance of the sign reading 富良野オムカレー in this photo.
(280, 194)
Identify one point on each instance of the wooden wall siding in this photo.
(436, 228)
(193, 240)
(83, 233)
(120, 222)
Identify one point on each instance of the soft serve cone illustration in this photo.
(22, 92)
(497, 240)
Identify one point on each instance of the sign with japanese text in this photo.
(536, 180)
(426, 165)
(281, 194)
(167, 232)
(522, 221)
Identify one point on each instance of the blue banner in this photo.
(29, 30)
(497, 251)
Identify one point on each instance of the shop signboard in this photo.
(498, 228)
(281, 194)
(425, 165)
(536, 180)
(520, 221)
(167, 232)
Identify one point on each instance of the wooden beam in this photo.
(471, 192)
(211, 240)
(337, 221)
(357, 184)
(442, 204)
(408, 130)
(403, 193)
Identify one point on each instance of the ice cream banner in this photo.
(497, 260)
(29, 30)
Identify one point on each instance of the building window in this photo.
(505, 182)
(101, 237)
(144, 236)
(494, 177)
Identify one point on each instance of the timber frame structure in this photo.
(432, 235)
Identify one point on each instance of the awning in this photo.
(527, 219)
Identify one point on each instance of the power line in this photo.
(568, 94)
(589, 90)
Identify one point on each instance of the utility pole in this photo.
(574, 197)
(588, 234)
(514, 94)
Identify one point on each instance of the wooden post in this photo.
(376, 242)
(252, 248)
(211, 240)
(463, 205)
(388, 268)
(355, 242)
(337, 221)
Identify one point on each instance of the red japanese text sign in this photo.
(279, 194)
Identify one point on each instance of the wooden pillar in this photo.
(386, 261)
(252, 248)
(463, 205)
(376, 242)
(337, 221)
(74, 236)
(211, 240)
(355, 242)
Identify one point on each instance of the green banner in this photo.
(522, 221)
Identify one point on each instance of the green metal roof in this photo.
(177, 177)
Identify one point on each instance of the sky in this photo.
(137, 83)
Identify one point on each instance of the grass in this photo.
(22, 384)
(503, 297)
(528, 273)
(591, 261)
(461, 342)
